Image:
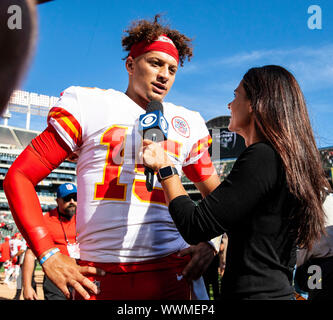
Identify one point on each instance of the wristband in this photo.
(48, 255)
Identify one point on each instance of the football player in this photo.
(129, 246)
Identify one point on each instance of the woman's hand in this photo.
(154, 155)
(156, 158)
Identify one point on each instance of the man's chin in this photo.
(155, 97)
(70, 212)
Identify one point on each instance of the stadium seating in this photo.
(12, 142)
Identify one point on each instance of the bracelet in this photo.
(48, 255)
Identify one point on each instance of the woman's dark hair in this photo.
(150, 30)
(16, 47)
(281, 117)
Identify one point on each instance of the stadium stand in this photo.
(24, 136)
(12, 142)
(8, 138)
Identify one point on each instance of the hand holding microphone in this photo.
(154, 156)
(153, 126)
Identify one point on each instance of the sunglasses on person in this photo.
(69, 197)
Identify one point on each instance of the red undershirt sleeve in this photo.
(46, 152)
(201, 170)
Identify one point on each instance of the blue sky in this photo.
(79, 43)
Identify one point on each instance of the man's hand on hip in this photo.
(202, 255)
(63, 272)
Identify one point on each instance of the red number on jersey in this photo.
(110, 188)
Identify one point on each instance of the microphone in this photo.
(153, 126)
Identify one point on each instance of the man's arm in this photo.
(26, 171)
(28, 269)
(35, 163)
(209, 185)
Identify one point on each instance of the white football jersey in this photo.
(118, 220)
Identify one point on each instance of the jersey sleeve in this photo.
(198, 165)
(65, 118)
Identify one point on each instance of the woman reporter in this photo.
(272, 199)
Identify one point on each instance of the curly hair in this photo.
(149, 30)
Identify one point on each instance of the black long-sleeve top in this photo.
(254, 207)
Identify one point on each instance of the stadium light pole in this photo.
(27, 120)
(6, 116)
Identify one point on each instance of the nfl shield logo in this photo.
(181, 126)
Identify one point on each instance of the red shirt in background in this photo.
(5, 251)
(60, 228)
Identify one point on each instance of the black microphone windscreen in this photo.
(153, 106)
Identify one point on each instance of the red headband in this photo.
(162, 43)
